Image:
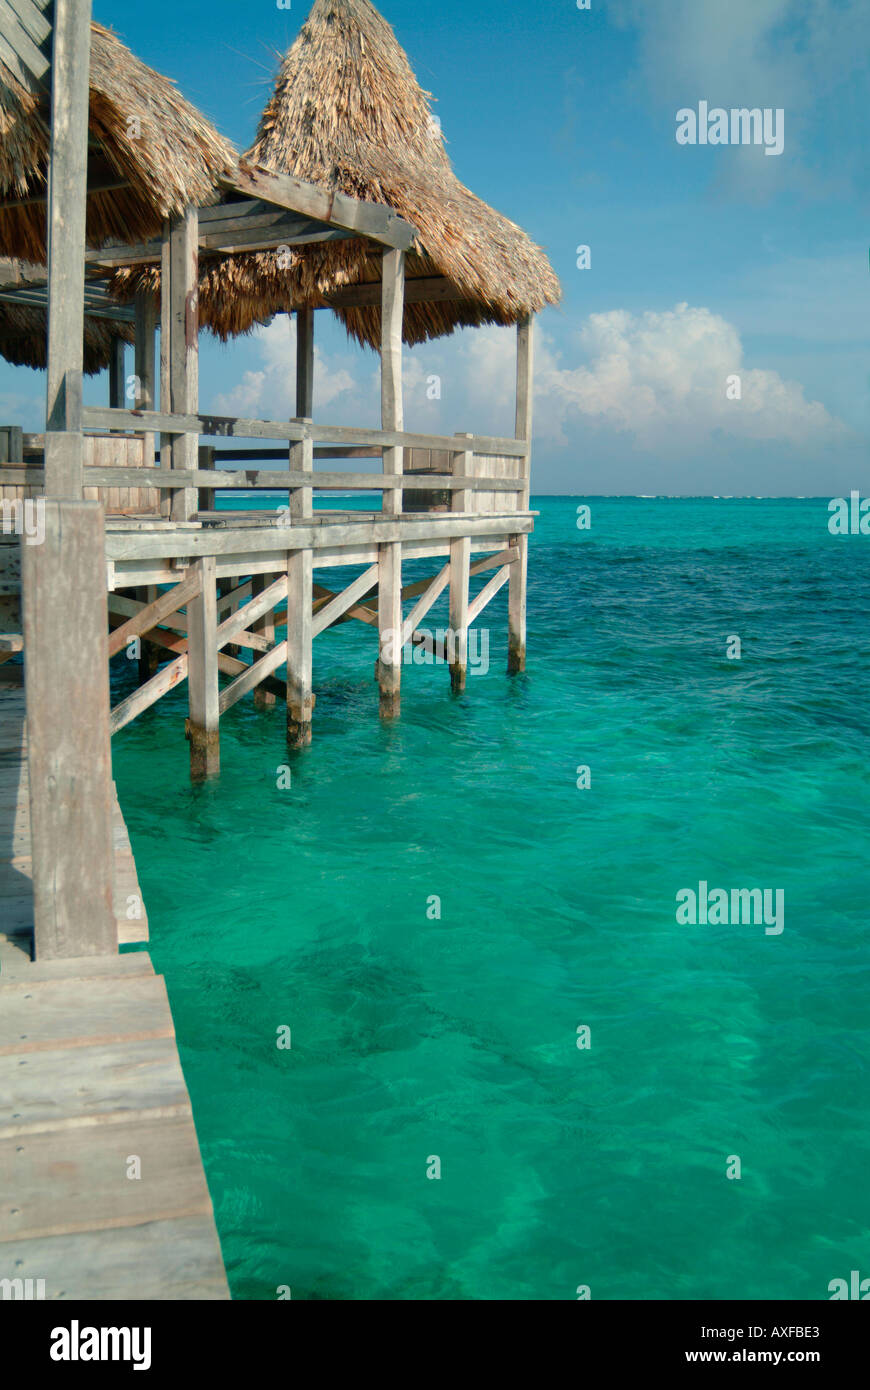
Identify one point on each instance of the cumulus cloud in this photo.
(662, 378)
(270, 391)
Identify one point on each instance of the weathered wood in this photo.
(32, 64)
(68, 723)
(305, 364)
(202, 676)
(117, 378)
(71, 44)
(149, 693)
(392, 406)
(434, 588)
(156, 612)
(184, 348)
(144, 365)
(487, 593)
(338, 605)
(299, 648)
(230, 426)
(244, 617)
(460, 562)
(271, 480)
(519, 570)
(432, 289)
(264, 629)
(252, 676)
(372, 220)
(390, 629)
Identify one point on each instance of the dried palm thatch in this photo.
(23, 340)
(348, 113)
(166, 154)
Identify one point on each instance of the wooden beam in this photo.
(149, 693)
(117, 377)
(144, 365)
(156, 613)
(202, 680)
(433, 591)
(252, 676)
(67, 693)
(184, 348)
(487, 593)
(71, 47)
(390, 624)
(371, 220)
(242, 619)
(300, 703)
(334, 608)
(264, 629)
(460, 561)
(305, 364)
(419, 290)
(519, 569)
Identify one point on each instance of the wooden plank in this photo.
(144, 365)
(203, 725)
(229, 426)
(252, 676)
(71, 43)
(17, 967)
(67, 718)
(149, 693)
(74, 1087)
(51, 1015)
(155, 613)
(338, 605)
(32, 19)
(76, 1180)
(326, 205)
(177, 1259)
(29, 54)
(433, 289)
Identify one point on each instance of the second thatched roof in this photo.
(347, 113)
(142, 131)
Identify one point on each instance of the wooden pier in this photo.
(127, 550)
(91, 1081)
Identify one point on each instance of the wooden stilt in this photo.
(117, 376)
(390, 622)
(202, 675)
(149, 654)
(460, 565)
(519, 569)
(299, 644)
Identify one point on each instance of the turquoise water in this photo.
(414, 1036)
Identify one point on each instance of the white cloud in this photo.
(270, 392)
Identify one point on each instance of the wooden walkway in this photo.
(91, 1079)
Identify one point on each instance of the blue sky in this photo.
(705, 262)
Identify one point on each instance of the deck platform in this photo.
(91, 1079)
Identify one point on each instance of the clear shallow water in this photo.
(414, 1037)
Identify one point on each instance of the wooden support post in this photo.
(202, 676)
(305, 364)
(265, 628)
(390, 618)
(460, 565)
(179, 348)
(149, 657)
(519, 569)
(71, 48)
(206, 463)
(143, 366)
(299, 644)
(67, 693)
(117, 377)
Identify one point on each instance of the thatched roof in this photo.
(23, 340)
(171, 158)
(348, 113)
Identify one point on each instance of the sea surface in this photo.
(433, 909)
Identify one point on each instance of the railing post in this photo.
(203, 725)
(179, 349)
(460, 564)
(519, 569)
(69, 754)
(299, 646)
(143, 365)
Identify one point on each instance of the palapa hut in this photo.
(23, 338)
(151, 153)
(348, 113)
